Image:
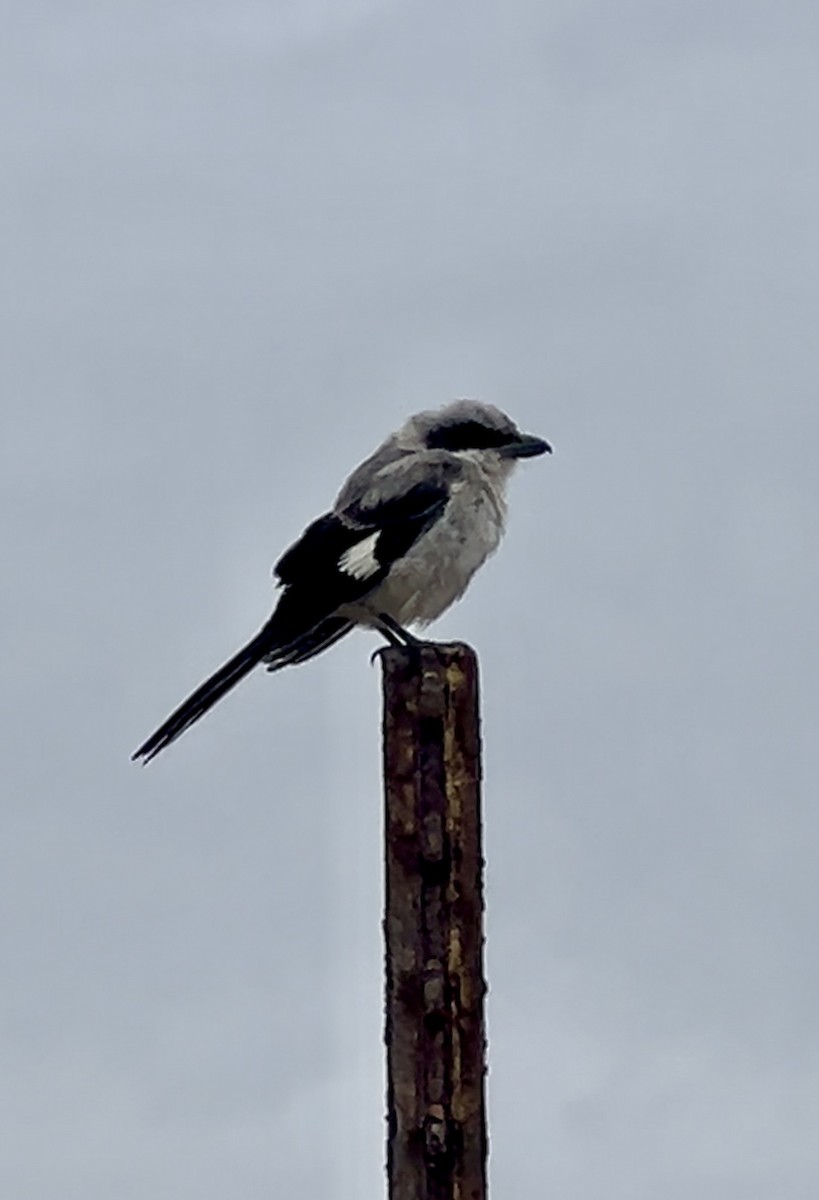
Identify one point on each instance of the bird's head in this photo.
(470, 428)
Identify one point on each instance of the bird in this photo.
(408, 530)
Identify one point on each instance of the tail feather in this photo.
(321, 638)
(206, 695)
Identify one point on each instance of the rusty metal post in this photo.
(433, 928)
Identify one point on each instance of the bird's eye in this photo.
(467, 435)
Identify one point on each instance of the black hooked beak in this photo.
(525, 446)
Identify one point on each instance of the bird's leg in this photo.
(396, 634)
(390, 637)
(389, 628)
(387, 633)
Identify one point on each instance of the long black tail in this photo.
(206, 695)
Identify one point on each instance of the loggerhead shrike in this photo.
(407, 532)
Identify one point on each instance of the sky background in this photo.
(241, 242)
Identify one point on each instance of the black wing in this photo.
(338, 560)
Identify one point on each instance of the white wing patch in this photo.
(360, 561)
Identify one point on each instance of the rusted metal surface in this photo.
(437, 1142)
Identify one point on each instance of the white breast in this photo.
(437, 569)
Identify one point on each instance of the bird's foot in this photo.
(397, 637)
(396, 634)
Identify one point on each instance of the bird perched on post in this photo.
(408, 530)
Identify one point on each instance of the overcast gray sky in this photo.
(242, 240)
